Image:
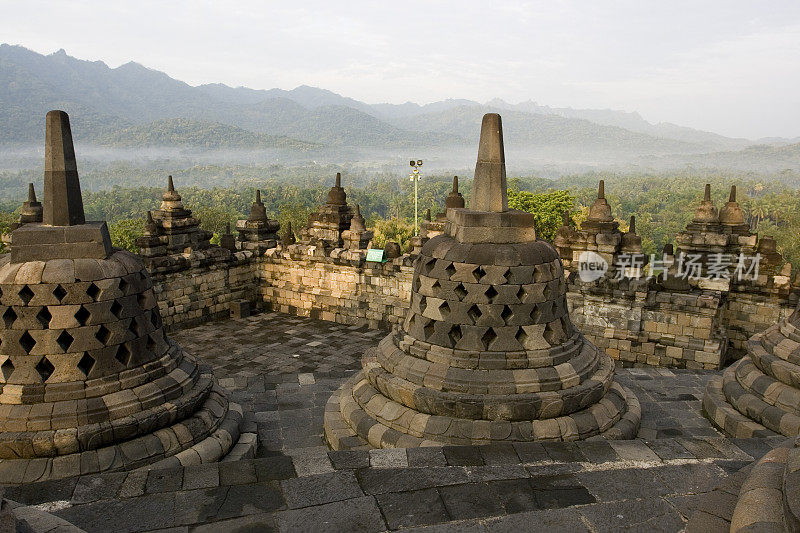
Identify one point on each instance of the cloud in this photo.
(723, 65)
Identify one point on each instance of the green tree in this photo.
(399, 230)
(125, 232)
(548, 209)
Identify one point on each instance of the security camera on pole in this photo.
(414, 176)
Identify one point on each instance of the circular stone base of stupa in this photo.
(358, 415)
(759, 395)
(90, 382)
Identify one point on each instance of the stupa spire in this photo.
(489, 186)
(63, 203)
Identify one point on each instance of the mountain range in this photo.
(132, 105)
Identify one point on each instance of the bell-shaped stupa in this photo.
(760, 393)
(90, 381)
(487, 352)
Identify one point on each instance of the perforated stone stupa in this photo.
(760, 393)
(90, 381)
(258, 232)
(326, 224)
(487, 352)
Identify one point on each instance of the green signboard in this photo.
(375, 255)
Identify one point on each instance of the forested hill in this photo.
(185, 132)
(116, 105)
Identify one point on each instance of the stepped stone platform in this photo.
(760, 393)
(655, 482)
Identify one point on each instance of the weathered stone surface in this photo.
(485, 353)
(63, 203)
(90, 380)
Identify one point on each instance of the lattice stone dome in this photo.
(487, 352)
(89, 380)
(86, 363)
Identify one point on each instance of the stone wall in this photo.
(204, 290)
(329, 288)
(656, 328)
(648, 326)
(746, 314)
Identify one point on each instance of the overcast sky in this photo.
(727, 66)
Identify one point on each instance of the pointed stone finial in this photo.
(565, 218)
(288, 235)
(63, 203)
(258, 212)
(454, 200)
(150, 226)
(428, 215)
(228, 228)
(31, 210)
(337, 196)
(707, 193)
(731, 214)
(171, 200)
(489, 186)
(632, 225)
(357, 223)
(599, 211)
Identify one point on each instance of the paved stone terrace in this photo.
(283, 368)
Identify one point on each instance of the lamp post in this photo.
(414, 176)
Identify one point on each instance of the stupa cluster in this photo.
(90, 380)
(487, 352)
(600, 234)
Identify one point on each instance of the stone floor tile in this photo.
(597, 451)
(237, 473)
(462, 455)
(549, 520)
(357, 515)
(647, 515)
(349, 459)
(380, 481)
(99, 487)
(501, 453)
(168, 480)
(261, 522)
(634, 450)
(309, 461)
(142, 513)
(516, 495)
(204, 476)
(388, 458)
(473, 500)
(628, 483)
(313, 490)
(427, 456)
(412, 508)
